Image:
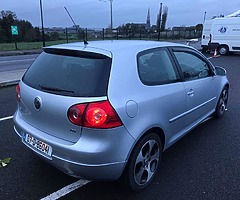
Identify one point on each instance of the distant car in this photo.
(192, 41)
(110, 108)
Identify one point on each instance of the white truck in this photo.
(222, 34)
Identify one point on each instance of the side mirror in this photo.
(220, 71)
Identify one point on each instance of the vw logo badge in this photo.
(37, 103)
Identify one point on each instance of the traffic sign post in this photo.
(14, 30)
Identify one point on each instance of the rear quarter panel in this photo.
(125, 86)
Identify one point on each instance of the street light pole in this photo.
(159, 21)
(204, 18)
(111, 14)
(43, 36)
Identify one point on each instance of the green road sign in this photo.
(14, 30)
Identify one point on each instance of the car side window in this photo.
(192, 66)
(155, 67)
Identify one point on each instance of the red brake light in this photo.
(18, 93)
(94, 115)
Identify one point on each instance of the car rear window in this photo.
(69, 73)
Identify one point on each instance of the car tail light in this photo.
(94, 115)
(18, 93)
(75, 114)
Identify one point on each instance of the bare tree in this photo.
(6, 13)
(159, 18)
(164, 18)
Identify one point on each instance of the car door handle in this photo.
(191, 93)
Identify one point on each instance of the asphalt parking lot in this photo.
(205, 164)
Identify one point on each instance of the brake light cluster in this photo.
(18, 96)
(94, 115)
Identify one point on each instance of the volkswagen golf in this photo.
(106, 110)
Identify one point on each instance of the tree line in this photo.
(26, 32)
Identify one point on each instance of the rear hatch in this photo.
(58, 79)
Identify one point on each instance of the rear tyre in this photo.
(222, 103)
(223, 50)
(143, 163)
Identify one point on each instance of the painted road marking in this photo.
(6, 118)
(64, 191)
(12, 61)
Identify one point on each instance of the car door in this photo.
(200, 85)
(164, 88)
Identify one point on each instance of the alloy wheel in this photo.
(146, 162)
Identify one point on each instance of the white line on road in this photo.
(12, 61)
(6, 118)
(64, 191)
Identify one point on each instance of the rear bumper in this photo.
(97, 155)
(109, 171)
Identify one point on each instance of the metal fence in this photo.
(118, 34)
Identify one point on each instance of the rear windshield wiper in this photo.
(54, 89)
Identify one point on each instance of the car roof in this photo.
(109, 47)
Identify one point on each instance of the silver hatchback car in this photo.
(108, 109)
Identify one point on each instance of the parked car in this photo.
(108, 109)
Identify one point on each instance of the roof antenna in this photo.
(84, 39)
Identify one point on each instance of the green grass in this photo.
(29, 45)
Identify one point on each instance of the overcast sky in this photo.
(96, 13)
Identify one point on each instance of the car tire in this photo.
(223, 50)
(143, 163)
(222, 103)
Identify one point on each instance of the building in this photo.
(148, 23)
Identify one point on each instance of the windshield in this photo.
(69, 73)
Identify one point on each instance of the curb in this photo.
(9, 78)
(19, 52)
(9, 83)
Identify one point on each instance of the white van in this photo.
(222, 34)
